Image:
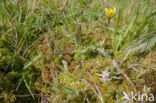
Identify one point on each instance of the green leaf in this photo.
(67, 90)
(31, 62)
(28, 86)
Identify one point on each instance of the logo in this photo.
(138, 97)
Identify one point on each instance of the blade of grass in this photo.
(23, 75)
(26, 84)
(31, 62)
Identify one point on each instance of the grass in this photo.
(64, 50)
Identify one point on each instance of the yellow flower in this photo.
(110, 13)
